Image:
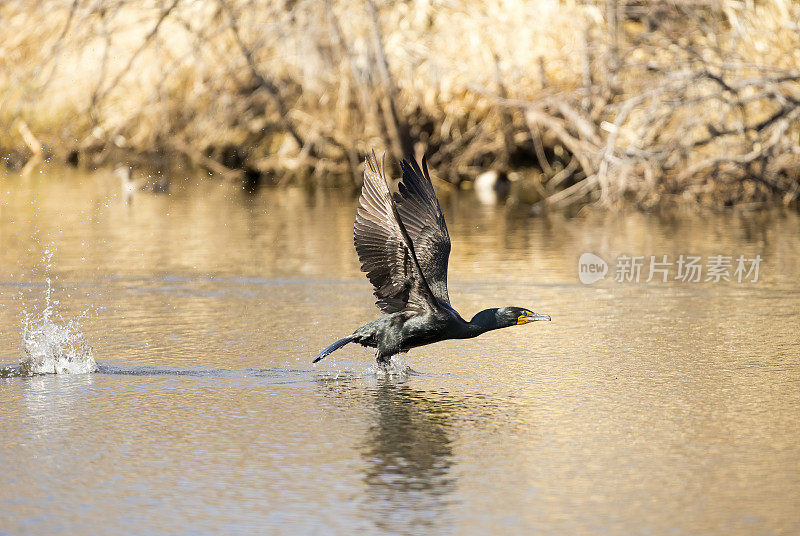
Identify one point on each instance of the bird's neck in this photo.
(482, 322)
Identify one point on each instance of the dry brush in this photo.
(652, 101)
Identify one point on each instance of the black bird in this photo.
(403, 246)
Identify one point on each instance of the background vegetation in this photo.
(654, 101)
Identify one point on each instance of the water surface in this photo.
(646, 408)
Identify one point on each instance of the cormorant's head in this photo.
(510, 316)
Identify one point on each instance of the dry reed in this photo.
(596, 101)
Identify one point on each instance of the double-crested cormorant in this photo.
(403, 246)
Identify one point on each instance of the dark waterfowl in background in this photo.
(129, 185)
(403, 245)
(492, 187)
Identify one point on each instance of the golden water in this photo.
(649, 408)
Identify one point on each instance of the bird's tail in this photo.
(333, 347)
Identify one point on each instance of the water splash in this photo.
(49, 344)
(396, 367)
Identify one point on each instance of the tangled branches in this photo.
(616, 99)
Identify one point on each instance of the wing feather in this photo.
(419, 210)
(385, 248)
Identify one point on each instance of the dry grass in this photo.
(596, 101)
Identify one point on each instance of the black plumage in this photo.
(404, 247)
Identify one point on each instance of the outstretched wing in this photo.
(385, 249)
(420, 212)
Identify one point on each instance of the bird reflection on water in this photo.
(407, 450)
